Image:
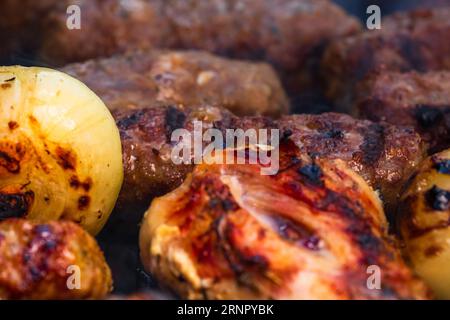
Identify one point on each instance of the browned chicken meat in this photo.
(42, 261)
(411, 41)
(312, 231)
(418, 100)
(383, 154)
(148, 78)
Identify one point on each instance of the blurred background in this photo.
(358, 7)
(355, 7)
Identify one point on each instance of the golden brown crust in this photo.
(416, 40)
(309, 232)
(150, 78)
(35, 261)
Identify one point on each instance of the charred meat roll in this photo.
(56, 260)
(383, 154)
(148, 78)
(411, 41)
(312, 231)
(147, 152)
(147, 147)
(414, 99)
(250, 29)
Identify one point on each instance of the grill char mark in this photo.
(174, 119)
(15, 205)
(374, 143)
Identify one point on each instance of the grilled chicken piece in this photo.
(383, 154)
(411, 41)
(149, 78)
(39, 261)
(414, 99)
(309, 232)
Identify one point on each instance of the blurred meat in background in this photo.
(359, 7)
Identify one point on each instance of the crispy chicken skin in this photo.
(421, 100)
(383, 154)
(148, 78)
(411, 41)
(308, 232)
(35, 260)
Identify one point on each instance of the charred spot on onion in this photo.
(438, 199)
(66, 158)
(15, 205)
(442, 166)
(83, 202)
(11, 164)
(75, 183)
(12, 125)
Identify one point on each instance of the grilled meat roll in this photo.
(424, 216)
(148, 78)
(383, 154)
(421, 100)
(288, 33)
(410, 41)
(309, 232)
(218, 26)
(37, 261)
(146, 142)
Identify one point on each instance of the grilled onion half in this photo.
(424, 222)
(60, 150)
